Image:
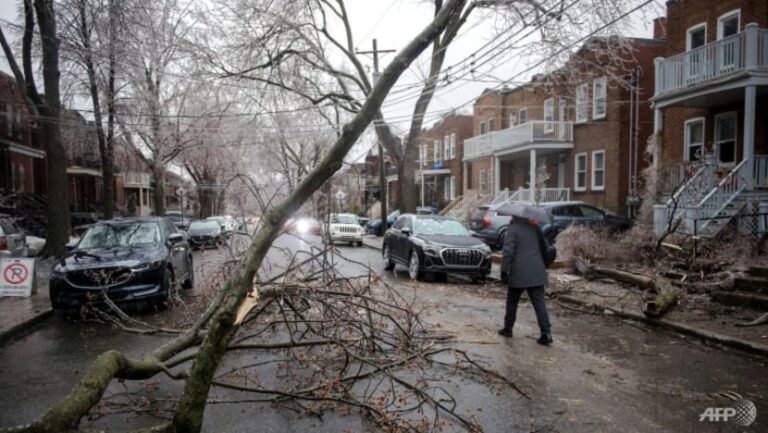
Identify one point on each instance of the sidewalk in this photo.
(18, 314)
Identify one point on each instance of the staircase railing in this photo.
(452, 205)
(721, 196)
(689, 194)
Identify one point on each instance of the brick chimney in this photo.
(660, 28)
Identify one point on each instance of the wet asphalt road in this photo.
(602, 375)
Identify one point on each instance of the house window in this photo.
(453, 145)
(436, 151)
(725, 137)
(491, 124)
(728, 24)
(523, 115)
(512, 119)
(696, 36)
(9, 117)
(446, 189)
(561, 106)
(447, 147)
(423, 154)
(482, 128)
(581, 103)
(599, 98)
(694, 139)
(580, 170)
(598, 170)
(453, 187)
(549, 114)
(483, 180)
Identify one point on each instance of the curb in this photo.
(704, 335)
(19, 328)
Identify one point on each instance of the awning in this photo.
(25, 150)
(433, 172)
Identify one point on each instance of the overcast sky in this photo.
(394, 23)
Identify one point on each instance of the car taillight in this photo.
(486, 220)
(3, 243)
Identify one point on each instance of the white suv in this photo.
(344, 227)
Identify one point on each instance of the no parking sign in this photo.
(16, 277)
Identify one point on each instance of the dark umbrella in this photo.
(525, 211)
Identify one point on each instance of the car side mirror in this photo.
(70, 247)
(175, 238)
(406, 231)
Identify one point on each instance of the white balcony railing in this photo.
(137, 179)
(541, 195)
(535, 131)
(745, 51)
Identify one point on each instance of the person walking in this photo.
(523, 264)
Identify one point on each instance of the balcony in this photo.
(714, 63)
(511, 139)
(135, 179)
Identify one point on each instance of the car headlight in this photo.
(59, 272)
(146, 266)
(302, 227)
(432, 251)
(486, 250)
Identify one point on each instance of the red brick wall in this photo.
(461, 125)
(683, 14)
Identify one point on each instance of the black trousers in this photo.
(536, 294)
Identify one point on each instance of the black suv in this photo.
(490, 225)
(435, 244)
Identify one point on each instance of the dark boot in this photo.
(545, 339)
(504, 332)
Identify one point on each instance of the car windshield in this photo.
(203, 226)
(121, 235)
(343, 219)
(439, 226)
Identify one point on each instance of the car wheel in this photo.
(387, 254)
(359, 243)
(189, 283)
(502, 238)
(414, 266)
(169, 287)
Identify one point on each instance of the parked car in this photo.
(363, 221)
(182, 222)
(129, 260)
(206, 233)
(374, 225)
(426, 210)
(344, 227)
(435, 244)
(13, 241)
(490, 225)
(226, 223)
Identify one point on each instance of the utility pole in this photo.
(382, 176)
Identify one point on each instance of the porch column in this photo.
(532, 174)
(496, 175)
(464, 167)
(750, 94)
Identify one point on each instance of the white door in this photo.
(561, 172)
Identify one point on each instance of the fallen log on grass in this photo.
(666, 294)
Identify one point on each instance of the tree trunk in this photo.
(105, 150)
(158, 175)
(57, 234)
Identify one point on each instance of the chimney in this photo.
(660, 28)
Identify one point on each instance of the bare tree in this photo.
(215, 328)
(46, 108)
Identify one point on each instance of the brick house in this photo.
(575, 133)
(440, 167)
(22, 156)
(711, 111)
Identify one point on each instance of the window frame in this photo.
(735, 115)
(436, 151)
(576, 171)
(686, 137)
(549, 109)
(482, 127)
(722, 18)
(599, 102)
(482, 180)
(582, 103)
(453, 145)
(594, 170)
(692, 29)
(446, 147)
(452, 181)
(512, 119)
(522, 116)
(491, 124)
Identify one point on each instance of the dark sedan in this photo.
(206, 233)
(489, 223)
(435, 244)
(130, 260)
